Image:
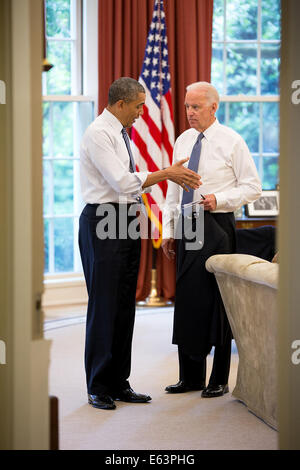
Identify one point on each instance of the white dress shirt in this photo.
(104, 164)
(226, 167)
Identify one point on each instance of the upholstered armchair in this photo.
(248, 286)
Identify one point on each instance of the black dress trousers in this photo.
(200, 320)
(111, 269)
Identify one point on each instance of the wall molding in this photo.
(64, 297)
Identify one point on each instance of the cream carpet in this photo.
(182, 422)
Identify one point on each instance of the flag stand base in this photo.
(154, 300)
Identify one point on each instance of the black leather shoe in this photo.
(130, 396)
(212, 391)
(182, 387)
(102, 401)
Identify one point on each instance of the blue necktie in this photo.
(126, 138)
(187, 197)
(132, 167)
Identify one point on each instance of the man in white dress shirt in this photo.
(110, 184)
(229, 180)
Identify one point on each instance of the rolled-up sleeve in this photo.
(102, 153)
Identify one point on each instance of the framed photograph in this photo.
(266, 206)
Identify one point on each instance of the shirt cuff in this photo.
(221, 201)
(147, 190)
(168, 229)
(142, 176)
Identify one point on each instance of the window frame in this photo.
(84, 12)
(243, 98)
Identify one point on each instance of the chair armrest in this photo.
(246, 267)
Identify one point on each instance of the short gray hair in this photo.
(211, 92)
(124, 88)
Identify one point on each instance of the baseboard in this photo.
(64, 296)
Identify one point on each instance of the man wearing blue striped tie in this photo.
(110, 260)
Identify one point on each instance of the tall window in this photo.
(245, 70)
(66, 114)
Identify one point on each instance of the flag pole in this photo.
(154, 300)
(153, 135)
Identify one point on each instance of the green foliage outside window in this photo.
(245, 60)
(58, 29)
(58, 18)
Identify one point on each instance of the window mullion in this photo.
(259, 47)
(76, 60)
(250, 98)
(51, 246)
(51, 155)
(73, 13)
(79, 47)
(67, 98)
(227, 113)
(75, 153)
(260, 141)
(51, 191)
(225, 49)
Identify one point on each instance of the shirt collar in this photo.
(113, 121)
(209, 132)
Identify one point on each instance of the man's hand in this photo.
(209, 203)
(183, 176)
(168, 246)
(176, 173)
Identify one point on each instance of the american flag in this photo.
(153, 133)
